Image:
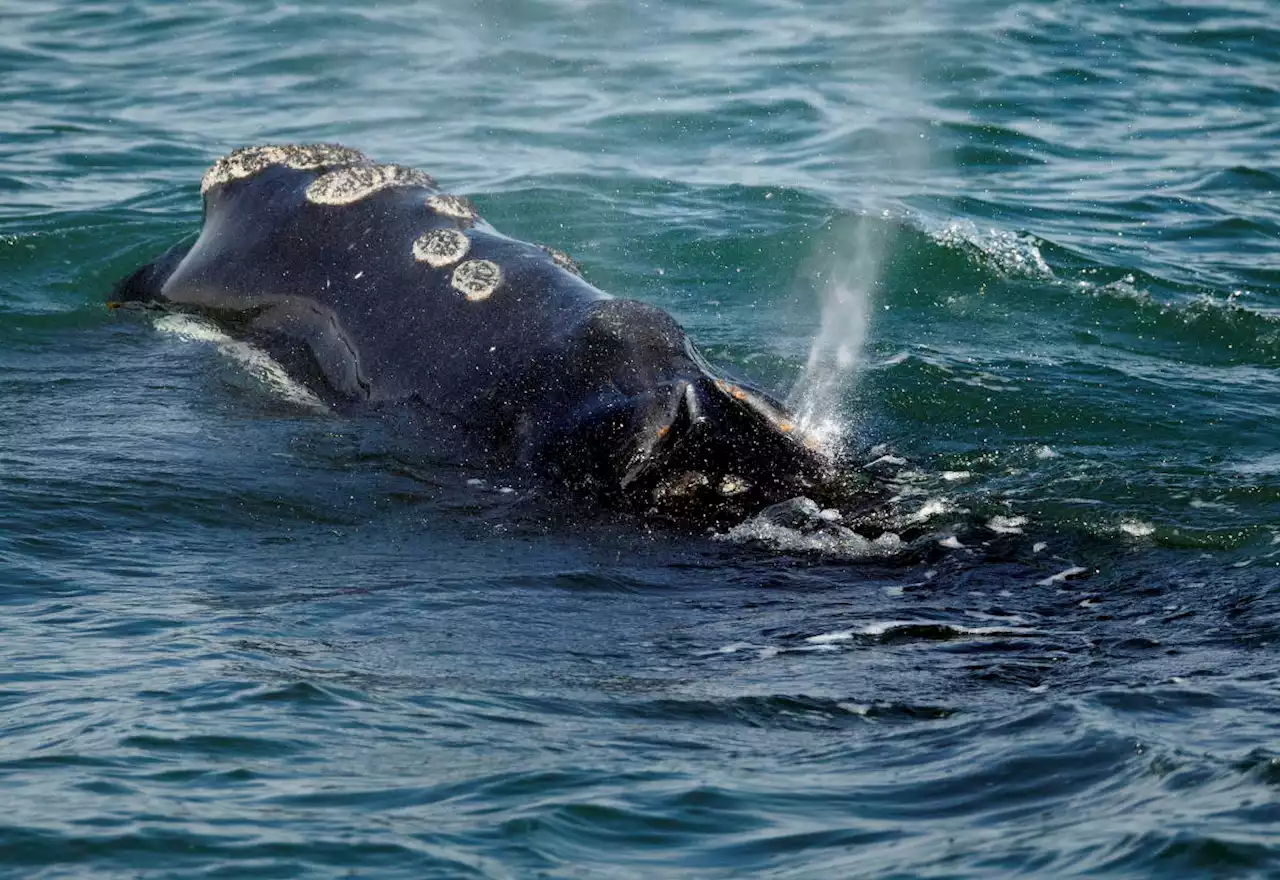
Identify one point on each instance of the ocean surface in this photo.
(241, 636)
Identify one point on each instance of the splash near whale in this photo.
(377, 290)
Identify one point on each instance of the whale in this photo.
(382, 293)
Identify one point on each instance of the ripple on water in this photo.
(245, 637)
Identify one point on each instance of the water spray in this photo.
(849, 268)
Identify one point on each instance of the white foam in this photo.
(816, 535)
(1061, 576)
(1136, 528)
(1013, 619)
(1265, 465)
(931, 508)
(861, 709)
(821, 433)
(1007, 525)
(828, 638)
(1008, 253)
(880, 628)
(734, 648)
(251, 359)
(886, 459)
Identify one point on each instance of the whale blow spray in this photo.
(848, 267)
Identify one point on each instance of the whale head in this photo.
(648, 425)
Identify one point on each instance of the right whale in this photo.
(378, 291)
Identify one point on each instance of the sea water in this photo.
(1022, 257)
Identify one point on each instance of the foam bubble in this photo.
(248, 161)
(881, 628)
(1061, 576)
(1012, 255)
(477, 279)
(1007, 525)
(931, 508)
(828, 638)
(441, 247)
(345, 186)
(798, 525)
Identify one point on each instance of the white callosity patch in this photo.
(344, 186)
(248, 161)
(453, 206)
(441, 247)
(477, 279)
(563, 260)
(732, 485)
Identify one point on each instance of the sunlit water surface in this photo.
(245, 637)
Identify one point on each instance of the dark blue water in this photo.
(243, 637)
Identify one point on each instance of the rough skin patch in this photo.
(453, 206)
(345, 186)
(477, 279)
(248, 161)
(732, 485)
(441, 247)
(563, 260)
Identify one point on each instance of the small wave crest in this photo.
(1007, 253)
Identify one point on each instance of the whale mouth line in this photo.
(682, 408)
(715, 442)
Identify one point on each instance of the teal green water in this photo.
(244, 638)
